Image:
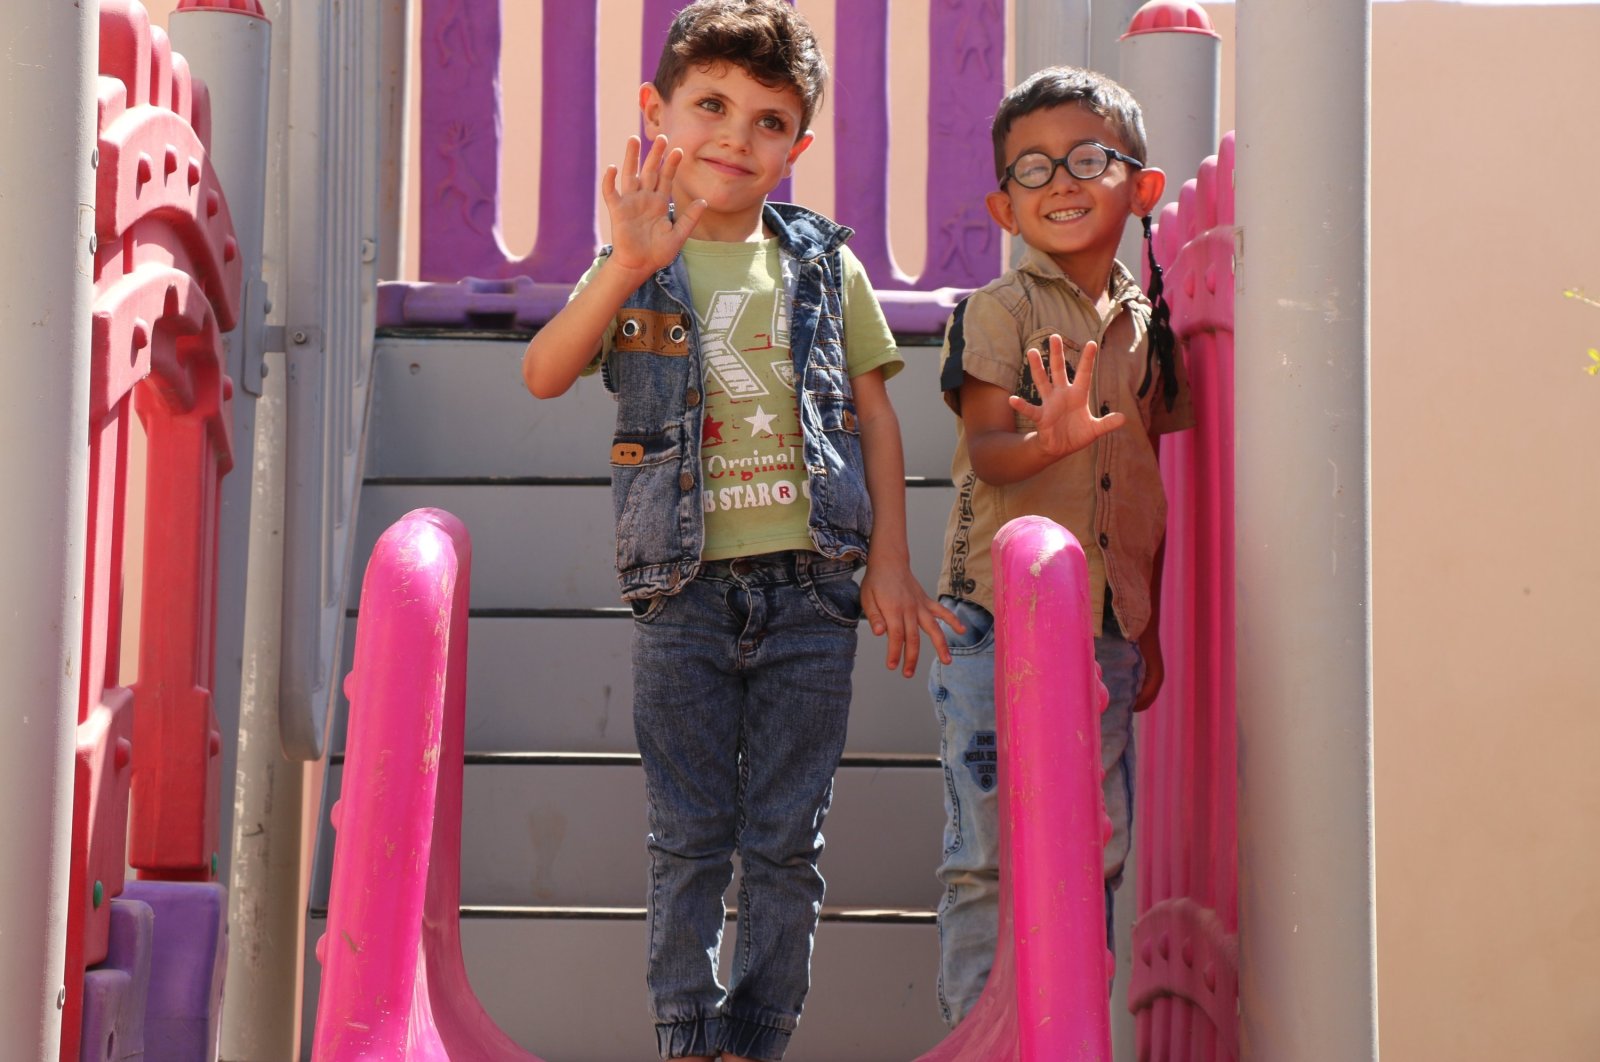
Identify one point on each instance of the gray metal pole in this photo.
(47, 124)
(229, 50)
(1308, 976)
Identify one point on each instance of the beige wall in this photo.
(1486, 529)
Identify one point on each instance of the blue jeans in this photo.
(963, 699)
(741, 696)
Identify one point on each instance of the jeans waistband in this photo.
(785, 566)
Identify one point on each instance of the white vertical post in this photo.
(1049, 33)
(1308, 976)
(1175, 72)
(47, 124)
(229, 50)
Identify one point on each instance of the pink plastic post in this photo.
(1046, 1000)
(394, 985)
(1184, 984)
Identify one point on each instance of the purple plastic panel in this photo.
(187, 961)
(469, 279)
(116, 991)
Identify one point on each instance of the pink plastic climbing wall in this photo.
(166, 284)
(394, 984)
(1184, 983)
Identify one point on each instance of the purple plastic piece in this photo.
(115, 992)
(183, 1018)
(461, 246)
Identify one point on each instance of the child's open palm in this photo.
(643, 235)
(1063, 421)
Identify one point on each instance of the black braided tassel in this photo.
(1163, 343)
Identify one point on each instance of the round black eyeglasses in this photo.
(1084, 162)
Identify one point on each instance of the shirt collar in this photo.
(1124, 288)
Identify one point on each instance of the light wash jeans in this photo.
(963, 699)
(741, 696)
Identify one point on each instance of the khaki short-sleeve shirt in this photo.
(1108, 495)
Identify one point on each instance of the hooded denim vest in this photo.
(656, 371)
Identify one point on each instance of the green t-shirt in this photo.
(755, 497)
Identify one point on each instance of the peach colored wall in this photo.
(1485, 510)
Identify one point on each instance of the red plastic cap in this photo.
(1170, 16)
(252, 8)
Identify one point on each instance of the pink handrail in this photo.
(1047, 999)
(394, 984)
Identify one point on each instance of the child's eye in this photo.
(712, 104)
(773, 122)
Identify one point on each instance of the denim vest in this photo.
(656, 370)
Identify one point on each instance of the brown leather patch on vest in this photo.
(652, 331)
(627, 453)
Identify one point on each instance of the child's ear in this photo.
(999, 204)
(650, 104)
(1148, 185)
(806, 140)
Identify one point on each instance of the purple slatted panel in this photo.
(1184, 981)
(470, 280)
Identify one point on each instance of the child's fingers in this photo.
(935, 633)
(688, 217)
(629, 172)
(1085, 371)
(669, 168)
(650, 171)
(1107, 424)
(1041, 379)
(608, 187)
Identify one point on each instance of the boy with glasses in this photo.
(756, 465)
(1071, 435)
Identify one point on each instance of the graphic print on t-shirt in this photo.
(750, 432)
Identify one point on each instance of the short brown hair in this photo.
(768, 39)
(1056, 86)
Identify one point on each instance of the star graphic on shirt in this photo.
(761, 423)
(710, 430)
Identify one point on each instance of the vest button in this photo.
(1105, 540)
(1105, 407)
(686, 481)
(1105, 481)
(693, 397)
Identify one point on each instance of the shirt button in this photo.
(1105, 407)
(693, 397)
(1105, 540)
(686, 482)
(1105, 481)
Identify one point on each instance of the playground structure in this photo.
(172, 276)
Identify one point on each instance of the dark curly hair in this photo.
(768, 39)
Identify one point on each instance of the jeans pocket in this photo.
(645, 610)
(979, 623)
(837, 599)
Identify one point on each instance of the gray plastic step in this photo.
(554, 835)
(553, 546)
(454, 407)
(565, 683)
(573, 990)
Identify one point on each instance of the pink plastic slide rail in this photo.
(394, 984)
(1047, 998)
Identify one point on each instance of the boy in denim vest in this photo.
(756, 464)
(1073, 438)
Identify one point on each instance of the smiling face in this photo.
(1078, 223)
(739, 139)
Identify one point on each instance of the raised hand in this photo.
(1063, 421)
(643, 237)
